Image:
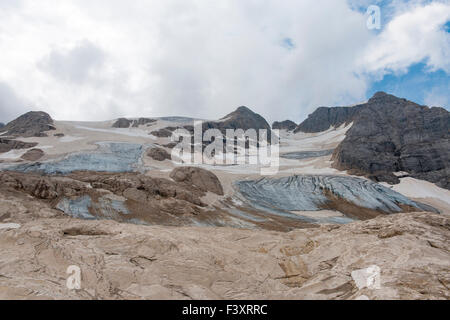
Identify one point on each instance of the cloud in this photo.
(439, 96)
(411, 37)
(10, 104)
(75, 65)
(97, 60)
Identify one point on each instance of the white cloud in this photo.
(93, 60)
(439, 97)
(412, 37)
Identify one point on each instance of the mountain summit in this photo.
(30, 124)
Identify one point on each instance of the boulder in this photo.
(33, 155)
(122, 123)
(158, 154)
(201, 178)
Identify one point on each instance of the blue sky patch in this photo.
(418, 85)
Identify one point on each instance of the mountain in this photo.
(390, 135)
(241, 118)
(126, 123)
(284, 125)
(324, 118)
(2, 125)
(31, 124)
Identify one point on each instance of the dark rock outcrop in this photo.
(31, 124)
(142, 121)
(158, 154)
(8, 145)
(122, 123)
(2, 125)
(164, 132)
(390, 135)
(33, 155)
(200, 178)
(284, 125)
(242, 118)
(324, 118)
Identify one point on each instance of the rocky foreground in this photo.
(126, 261)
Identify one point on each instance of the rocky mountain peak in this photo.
(241, 118)
(284, 125)
(385, 98)
(30, 124)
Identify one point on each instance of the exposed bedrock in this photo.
(125, 197)
(391, 135)
(201, 178)
(31, 124)
(158, 154)
(124, 123)
(33, 155)
(356, 198)
(8, 145)
(284, 125)
(324, 118)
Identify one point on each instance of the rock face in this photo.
(31, 124)
(324, 118)
(390, 135)
(284, 125)
(8, 145)
(164, 132)
(158, 154)
(33, 155)
(122, 261)
(356, 198)
(242, 118)
(142, 121)
(201, 178)
(122, 123)
(2, 125)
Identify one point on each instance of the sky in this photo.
(95, 60)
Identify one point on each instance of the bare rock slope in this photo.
(284, 125)
(123, 261)
(396, 135)
(389, 135)
(31, 124)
